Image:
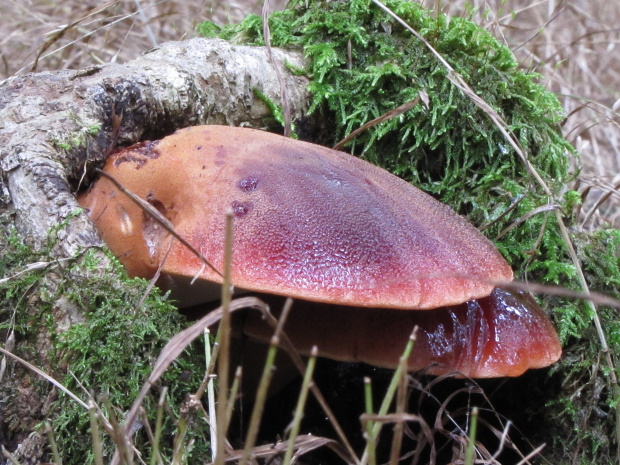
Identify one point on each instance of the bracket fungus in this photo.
(361, 249)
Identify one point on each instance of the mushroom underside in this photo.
(503, 334)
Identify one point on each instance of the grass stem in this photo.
(389, 395)
(471, 443)
(10, 457)
(259, 403)
(370, 438)
(299, 410)
(401, 404)
(224, 341)
(159, 420)
(94, 430)
(52, 441)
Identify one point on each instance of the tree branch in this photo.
(55, 124)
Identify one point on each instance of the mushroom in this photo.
(324, 227)
(503, 334)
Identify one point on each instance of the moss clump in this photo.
(448, 146)
(362, 63)
(113, 351)
(108, 349)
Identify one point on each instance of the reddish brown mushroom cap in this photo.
(503, 334)
(310, 222)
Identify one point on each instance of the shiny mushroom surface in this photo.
(309, 222)
(503, 334)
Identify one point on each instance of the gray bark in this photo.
(55, 127)
(176, 85)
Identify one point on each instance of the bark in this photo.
(176, 85)
(55, 127)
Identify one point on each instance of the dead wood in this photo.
(176, 85)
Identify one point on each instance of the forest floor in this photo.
(571, 44)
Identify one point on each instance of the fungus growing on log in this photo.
(325, 227)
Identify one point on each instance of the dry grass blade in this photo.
(146, 425)
(384, 117)
(506, 442)
(144, 20)
(556, 13)
(223, 337)
(9, 345)
(512, 206)
(44, 375)
(531, 455)
(155, 278)
(303, 445)
(10, 457)
(210, 357)
(610, 190)
(160, 219)
(443, 413)
(527, 216)
(401, 418)
(503, 439)
(55, 36)
(595, 297)
(392, 418)
(120, 435)
(34, 267)
(446, 420)
(286, 106)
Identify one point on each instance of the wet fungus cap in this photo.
(310, 222)
(325, 227)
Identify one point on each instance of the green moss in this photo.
(450, 148)
(79, 137)
(113, 351)
(432, 146)
(108, 352)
